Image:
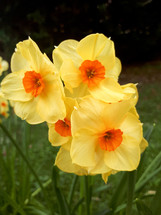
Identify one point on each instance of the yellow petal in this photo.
(132, 127)
(100, 166)
(27, 111)
(13, 88)
(51, 105)
(70, 104)
(143, 145)
(131, 91)
(70, 74)
(30, 51)
(55, 138)
(89, 115)
(97, 46)
(107, 174)
(64, 162)
(19, 63)
(108, 91)
(83, 149)
(66, 50)
(111, 91)
(126, 157)
(115, 71)
(80, 91)
(134, 112)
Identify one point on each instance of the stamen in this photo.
(33, 83)
(111, 139)
(92, 72)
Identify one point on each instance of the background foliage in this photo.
(134, 26)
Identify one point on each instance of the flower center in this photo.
(92, 72)
(63, 127)
(111, 139)
(33, 83)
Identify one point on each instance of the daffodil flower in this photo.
(106, 137)
(34, 86)
(85, 64)
(3, 65)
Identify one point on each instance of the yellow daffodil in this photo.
(3, 106)
(85, 64)
(107, 136)
(34, 86)
(3, 65)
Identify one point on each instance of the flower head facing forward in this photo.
(86, 62)
(108, 137)
(34, 86)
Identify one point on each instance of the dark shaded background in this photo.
(134, 25)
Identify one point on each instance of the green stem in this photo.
(80, 212)
(23, 156)
(130, 191)
(87, 194)
(72, 189)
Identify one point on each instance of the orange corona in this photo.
(33, 83)
(3, 104)
(111, 139)
(92, 72)
(63, 127)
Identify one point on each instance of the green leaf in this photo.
(130, 191)
(144, 157)
(150, 172)
(63, 206)
(12, 203)
(119, 195)
(77, 205)
(143, 209)
(34, 207)
(72, 188)
(156, 202)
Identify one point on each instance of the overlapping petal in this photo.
(126, 157)
(64, 162)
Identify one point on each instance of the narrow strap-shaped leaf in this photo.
(130, 191)
(63, 205)
(72, 188)
(119, 195)
(144, 156)
(23, 156)
(143, 209)
(156, 201)
(151, 168)
(13, 203)
(77, 205)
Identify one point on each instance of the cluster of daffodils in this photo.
(3, 65)
(91, 117)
